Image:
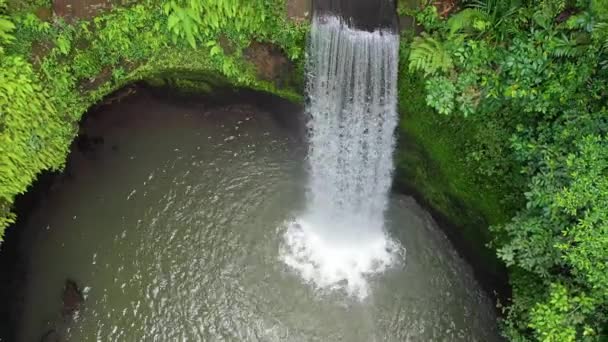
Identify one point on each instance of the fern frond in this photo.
(496, 11)
(429, 56)
(566, 47)
(6, 27)
(583, 21)
(469, 18)
(600, 33)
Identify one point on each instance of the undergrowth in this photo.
(53, 71)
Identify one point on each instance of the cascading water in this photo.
(340, 238)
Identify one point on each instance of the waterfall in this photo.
(352, 78)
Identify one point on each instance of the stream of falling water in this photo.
(352, 79)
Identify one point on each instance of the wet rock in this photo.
(270, 62)
(50, 336)
(40, 49)
(119, 95)
(407, 21)
(93, 83)
(227, 45)
(80, 9)
(44, 13)
(72, 298)
(446, 7)
(299, 10)
(362, 14)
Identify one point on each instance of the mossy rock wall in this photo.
(435, 165)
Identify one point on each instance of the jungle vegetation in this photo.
(52, 71)
(521, 85)
(535, 75)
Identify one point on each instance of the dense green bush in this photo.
(51, 72)
(524, 82)
(542, 65)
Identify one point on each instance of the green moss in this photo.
(433, 159)
(439, 144)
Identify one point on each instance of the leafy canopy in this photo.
(541, 67)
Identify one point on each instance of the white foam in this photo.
(338, 265)
(340, 241)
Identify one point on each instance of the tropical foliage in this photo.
(51, 72)
(6, 27)
(540, 66)
(522, 85)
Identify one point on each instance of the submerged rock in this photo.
(50, 336)
(72, 298)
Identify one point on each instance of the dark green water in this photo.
(172, 227)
